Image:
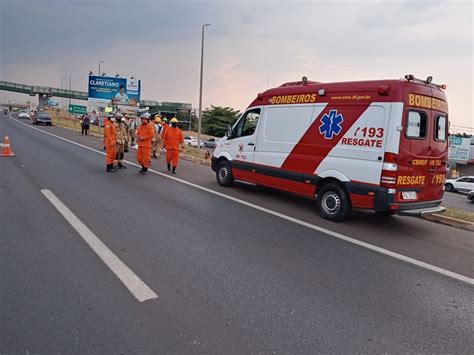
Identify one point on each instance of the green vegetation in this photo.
(216, 119)
(459, 214)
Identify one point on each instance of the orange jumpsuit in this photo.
(109, 141)
(145, 133)
(164, 126)
(172, 138)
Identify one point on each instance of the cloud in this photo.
(249, 45)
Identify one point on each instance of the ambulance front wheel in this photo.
(224, 174)
(333, 203)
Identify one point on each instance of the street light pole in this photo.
(62, 99)
(99, 67)
(200, 87)
(70, 75)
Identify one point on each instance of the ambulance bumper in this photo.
(422, 211)
(419, 208)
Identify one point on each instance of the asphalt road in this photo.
(458, 200)
(229, 278)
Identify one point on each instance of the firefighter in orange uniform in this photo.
(109, 142)
(172, 140)
(145, 133)
(164, 126)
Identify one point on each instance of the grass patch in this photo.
(459, 214)
(196, 153)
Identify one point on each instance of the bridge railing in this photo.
(82, 95)
(19, 87)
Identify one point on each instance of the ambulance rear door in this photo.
(423, 152)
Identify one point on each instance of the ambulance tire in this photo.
(224, 174)
(333, 203)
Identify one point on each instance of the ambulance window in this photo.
(440, 133)
(247, 124)
(416, 124)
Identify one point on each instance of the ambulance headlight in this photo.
(321, 92)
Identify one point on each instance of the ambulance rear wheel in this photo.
(224, 174)
(333, 203)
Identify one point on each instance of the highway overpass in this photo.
(47, 91)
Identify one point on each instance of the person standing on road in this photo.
(173, 141)
(85, 124)
(157, 138)
(164, 126)
(120, 139)
(127, 133)
(131, 130)
(145, 133)
(109, 142)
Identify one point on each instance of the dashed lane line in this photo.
(132, 282)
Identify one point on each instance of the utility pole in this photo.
(200, 87)
(70, 75)
(99, 74)
(62, 99)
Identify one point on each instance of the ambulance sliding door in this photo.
(282, 128)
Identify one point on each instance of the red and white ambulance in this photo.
(379, 145)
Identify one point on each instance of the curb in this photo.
(453, 222)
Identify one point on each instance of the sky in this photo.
(249, 47)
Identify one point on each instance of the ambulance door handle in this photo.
(250, 143)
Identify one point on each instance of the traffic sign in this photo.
(77, 109)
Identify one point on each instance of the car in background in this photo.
(470, 196)
(210, 143)
(462, 184)
(191, 141)
(24, 114)
(41, 117)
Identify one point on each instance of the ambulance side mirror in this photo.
(229, 132)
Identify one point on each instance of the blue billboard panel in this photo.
(119, 91)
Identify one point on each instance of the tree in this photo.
(216, 119)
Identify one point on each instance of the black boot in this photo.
(169, 167)
(154, 156)
(141, 170)
(110, 168)
(174, 170)
(144, 171)
(121, 166)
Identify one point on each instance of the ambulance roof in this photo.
(392, 90)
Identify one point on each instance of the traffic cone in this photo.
(6, 150)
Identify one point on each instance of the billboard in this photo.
(458, 149)
(119, 91)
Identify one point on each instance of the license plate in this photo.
(409, 195)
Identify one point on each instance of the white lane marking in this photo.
(135, 285)
(294, 220)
